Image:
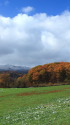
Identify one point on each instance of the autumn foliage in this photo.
(58, 72)
(42, 75)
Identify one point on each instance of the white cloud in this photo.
(27, 9)
(34, 40)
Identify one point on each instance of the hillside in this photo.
(50, 74)
(42, 75)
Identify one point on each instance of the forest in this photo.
(57, 73)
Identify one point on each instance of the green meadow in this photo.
(35, 106)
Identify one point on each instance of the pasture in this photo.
(35, 106)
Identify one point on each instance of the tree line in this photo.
(42, 75)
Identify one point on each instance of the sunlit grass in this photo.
(42, 109)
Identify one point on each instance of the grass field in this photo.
(35, 106)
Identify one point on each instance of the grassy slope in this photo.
(42, 109)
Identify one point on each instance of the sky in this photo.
(34, 32)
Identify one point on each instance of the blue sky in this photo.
(52, 7)
(34, 32)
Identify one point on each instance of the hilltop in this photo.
(48, 74)
(57, 73)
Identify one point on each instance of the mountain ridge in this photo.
(13, 68)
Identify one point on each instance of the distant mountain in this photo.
(14, 68)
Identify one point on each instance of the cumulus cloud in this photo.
(27, 9)
(34, 40)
